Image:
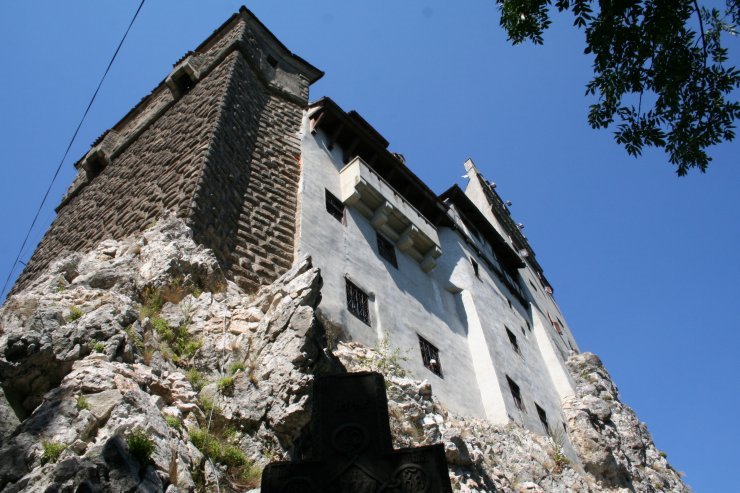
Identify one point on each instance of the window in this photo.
(475, 267)
(357, 302)
(430, 356)
(516, 394)
(513, 341)
(543, 418)
(95, 165)
(334, 206)
(533, 286)
(184, 83)
(387, 250)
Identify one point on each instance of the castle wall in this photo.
(220, 150)
(245, 206)
(405, 302)
(465, 316)
(159, 171)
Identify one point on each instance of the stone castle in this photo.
(230, 143)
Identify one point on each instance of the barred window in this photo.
(513, 341)
(516, 394)
(430, 356)
(543, 418)
(357, 302)
(387, 250)
(334, 206)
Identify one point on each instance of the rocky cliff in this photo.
(139, 367)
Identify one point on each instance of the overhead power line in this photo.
(69, 146)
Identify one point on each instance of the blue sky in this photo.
(644, 264)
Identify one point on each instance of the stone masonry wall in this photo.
(158, 172)
(225, 156)
(245, 207)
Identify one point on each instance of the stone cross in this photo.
(352, 450)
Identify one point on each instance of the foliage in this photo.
(173, 422)
(178, 339)
(82, 402)
(152, 303)
(238, 466)
(75, 312)
(137, 341)
(52, 451)
(97, 346)
(235, 367)
(560, 460)
(140, 446)
(386, 360)
(226, 385)
(208, 405)
(196, 379)
(657, 79)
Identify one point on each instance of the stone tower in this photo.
(205, 145)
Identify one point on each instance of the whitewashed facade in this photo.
(465, 281)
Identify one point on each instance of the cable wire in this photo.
(69, 146)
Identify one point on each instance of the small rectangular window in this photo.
(475, 267)
(516, 394)
(334, 206)
(513, 341)
(543, 418)
(357, 302)
(430, 356)
(533, 286)
(387, 250)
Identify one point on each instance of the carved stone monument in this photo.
(352, 450)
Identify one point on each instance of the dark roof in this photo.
(502, 214)
(357, 137)
(475, 217)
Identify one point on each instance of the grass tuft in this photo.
(52, 451)
(140, 446)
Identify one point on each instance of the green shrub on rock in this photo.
(140, 446)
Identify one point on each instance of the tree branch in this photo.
(701, 28)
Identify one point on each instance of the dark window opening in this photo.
(430, 356)
(523, 333)
(334, 206)
(510, 305)
(184, 83)
(387, 250)
(272, 61)
(513, 341)
(529, 327)
(516, 394)
(95, 165)
(475, 267)
(533, 286)
(543, 418)
(357, 302)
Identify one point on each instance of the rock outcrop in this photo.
(139, 367)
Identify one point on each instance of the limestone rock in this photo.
(146, 334)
